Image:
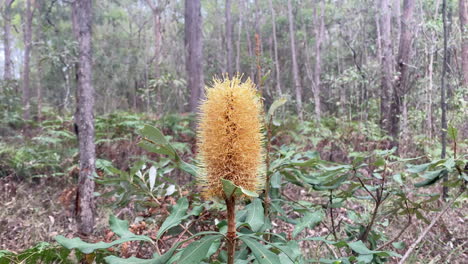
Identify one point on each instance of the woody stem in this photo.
(231, 234)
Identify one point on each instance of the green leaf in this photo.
(120, 227)
(309, 220)
(198, 250)
(360, 248)
(275, 105)
(261, 253)
(231, 189)
(154, 136)
(399, 245)
(398, 179)
(452, 133)
(365, 258)
(155, 260)
(90, 247)
(255, 217)
(132, 260)
(178, 213)
(418, 168)
(431, 177)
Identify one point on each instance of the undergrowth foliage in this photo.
(375, 188)
(348, 200)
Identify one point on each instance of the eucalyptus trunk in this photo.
(194, 56)
(295, 70)
(82, 23)
(26, 89)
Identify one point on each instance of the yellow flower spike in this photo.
(230, 138)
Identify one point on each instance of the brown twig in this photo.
(332, 218)
(401, 231)
(424, 233)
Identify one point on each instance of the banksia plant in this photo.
(230, 138)
(230, 146)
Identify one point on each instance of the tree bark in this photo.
(239, 37)
(443, 104)
(319, 32)
(463, 13)
(401, 86)
(26, 89)
(194, 56)
(156, 12)
(295, 70)
(8, 63)
(82, 23)
(275, 48)
(228, 32)
(386, 64)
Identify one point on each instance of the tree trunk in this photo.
(156, 11)
(8, 63)
(386, 64)
(275, 48)
(194, 56)
(443, 105)
(82, 23)
(228, 25)
(295, 70)
(429, 92)
(26, 89)
(239, 37)
(463, 9)
(319, 32)
(401, 86)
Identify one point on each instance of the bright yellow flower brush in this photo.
(230, 138)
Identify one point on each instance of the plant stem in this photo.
(266, 199)
(231, 234)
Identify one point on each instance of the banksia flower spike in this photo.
(230, 138)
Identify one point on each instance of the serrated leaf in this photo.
(261, 253)
(310, 220)
(178, 213)
(157, 259)
(255, 217)
(120, 227)
(90, 247)
(198, 250)
(452, 132)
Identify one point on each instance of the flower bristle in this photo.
(229, 137)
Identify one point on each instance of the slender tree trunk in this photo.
(156, 11)
(258, 46)
(8, 63)
(194, 56)
(295, 70)
(319, 34)
(386, 65)
(239, 37)
(251, 55)
(429, 92)
(26, 89)
(228, 31)
(443, 104)
(463, 13)
(275, 48)
(82, 24)
(401, 86)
